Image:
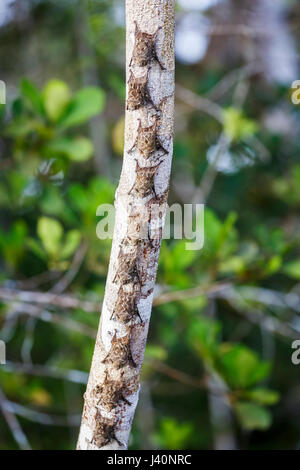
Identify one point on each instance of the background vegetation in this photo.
(218, 370)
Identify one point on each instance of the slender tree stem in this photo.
(112, 391)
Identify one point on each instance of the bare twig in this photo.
(13, 423)
(237, 30)
(203, 190)
(35, 281)
(41, 418)
(258, 317)
(178, 295)
(196, 101)
(221, 148)
(69, 276)
(270, 297)
(58, 288)
(65, 301)
(49, 317)
(72, 375)
(230, 79)
(184, 378)
(28, 342)
(176, 374)
(48, 298)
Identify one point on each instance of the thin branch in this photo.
(72, 375)
(48, 276)
(49, 317)
(178, 295)
(271, 297)
(71, 273)
(237, 30)
(176, 374)
(58, 288)
(202, 104)
(258, 317)
(35, 281)
(210, 174)
(42, 418)
(231, 78)
(184, 378)
(221, 148)
(13, 423)
(69, 302)
(28, 342)
(48, 298)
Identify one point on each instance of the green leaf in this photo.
(78, 149)
(212, 226)
(29, 91)
(194, 304)
(263, 396)
(235, 265)
(52, 203)
(182, 258)
(36, 248)
(174, 435)
(236, 125)
(101, 191)
(71, 243)
(203, 335)
(273, 265)
(78, 197)
(56, 97)
(292, 269)
(12, 242)
(2, 110)
(21, 127)
(240, 366)
(155, 352)
(50, 232)
(85, 104)
(253, 416)
(227, 229)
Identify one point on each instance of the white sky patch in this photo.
(198, 4)
(190, 43)
(118, 13)
(229, 163)
(279, 52)
(6, 13)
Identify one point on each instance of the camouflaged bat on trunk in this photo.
(144, 181)
(144, 50)
(111, 393)
(128, 267)
(120, 352)
(126, 307)
(138, 93)
(105, 431)
(147, 141)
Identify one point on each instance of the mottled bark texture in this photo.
(113, 386)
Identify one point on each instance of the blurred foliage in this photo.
(51, 183)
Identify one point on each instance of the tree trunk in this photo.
(140, 203)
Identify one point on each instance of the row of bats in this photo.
(113, 392)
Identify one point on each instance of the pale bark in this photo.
(107, 417)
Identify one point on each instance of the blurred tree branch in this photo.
(13, 423)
